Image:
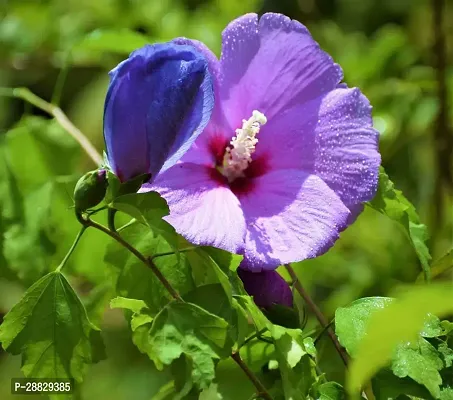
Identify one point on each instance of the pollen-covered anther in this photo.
(238, 156)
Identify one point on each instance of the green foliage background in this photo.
(63, 49)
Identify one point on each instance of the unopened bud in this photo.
(90, 190)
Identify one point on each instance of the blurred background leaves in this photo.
(63, 49)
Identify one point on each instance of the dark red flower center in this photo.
(241, 185)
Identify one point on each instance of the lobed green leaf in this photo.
(50, 328)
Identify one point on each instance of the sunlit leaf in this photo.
(184, 328)
(149, 209)
(296, 367)
(331, 391)
(50, 328)
(351, 322)
(400, 322)
(211, 393)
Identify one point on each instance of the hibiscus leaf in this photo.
(205, 270)
(296, 367)
(148, 209)
(392, 203)
(331, 391)
(116, 188)
(351, 321)
(447, 354)
(225, 260)
(212, 298)
(50, 328)
(446, 394)
(398, 323)
(387, 386)
(182, 329)
(420, 361)
(417, 360)
(211, 393)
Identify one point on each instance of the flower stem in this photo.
(111, 219)
(59, 115)
(87, 222)
(71, 250)
(319, 315)
(261, 390)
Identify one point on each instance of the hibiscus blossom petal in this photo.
(158, 102)
(218, 132)
(271, 65)
(290, 216)
(212, 60)
(331, 137)
(202, 210)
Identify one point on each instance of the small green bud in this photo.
(90, 189)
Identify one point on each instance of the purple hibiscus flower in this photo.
(289, 154)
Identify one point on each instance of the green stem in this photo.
(319, 315)
(261, 390)
(146, 260)
(323, 330)
(71, 250)
(253, 336)
(111, 219)
(60, 117)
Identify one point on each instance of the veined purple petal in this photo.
(266, 287)
(158, 102)
(331, 137)
(290, 216)
(270, 65)
(203, 210)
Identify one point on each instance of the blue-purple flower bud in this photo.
(267, 288)
(90, 190)
(158, 102)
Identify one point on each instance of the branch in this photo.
(59, 115)
(261, 390)
(87, 222)
(319, 315)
